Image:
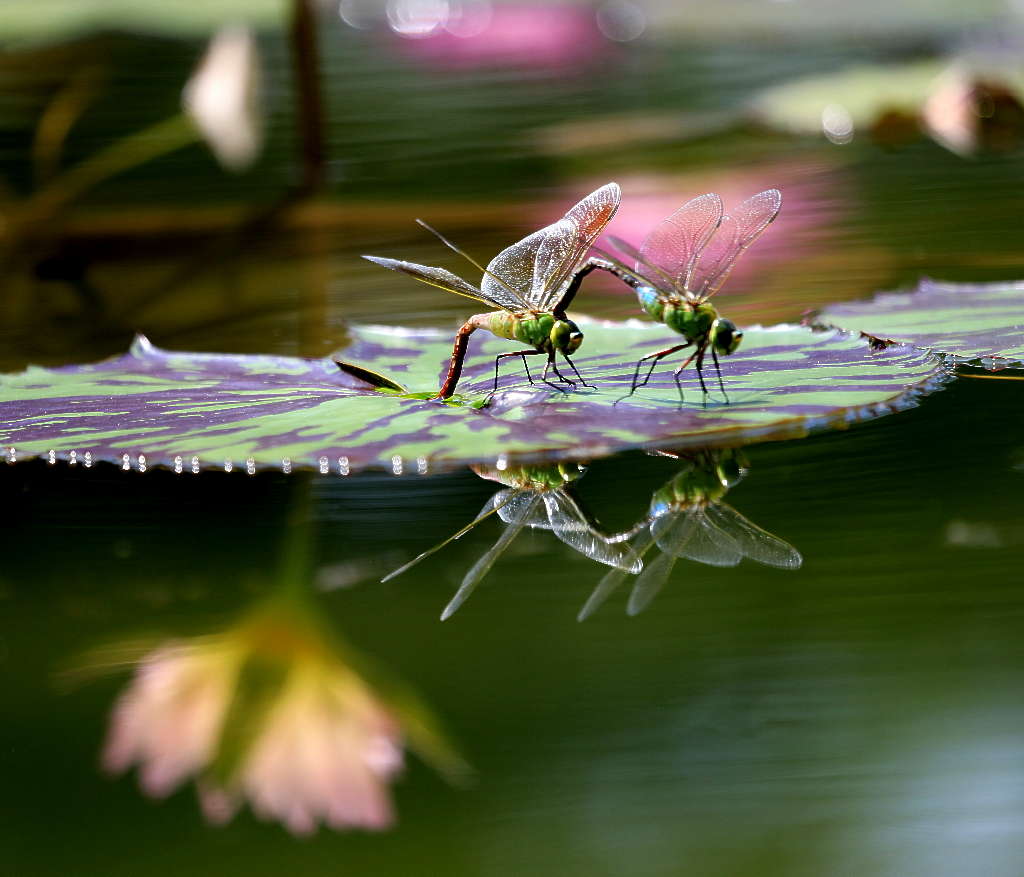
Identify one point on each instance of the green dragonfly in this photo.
(532, 283)
(680, 265)
(538, 497)
(687, 518)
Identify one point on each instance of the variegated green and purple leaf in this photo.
(193, 411)
(972, 323)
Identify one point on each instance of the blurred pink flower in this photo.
(269, 711)
(816, 201)
(527, 35)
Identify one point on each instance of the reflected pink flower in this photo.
(527, 35)
(326, 751)
(270, 712)
(170, 718)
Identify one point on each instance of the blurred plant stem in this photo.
(168, 135)
(60, 115)
(34, 215)
(306, 61)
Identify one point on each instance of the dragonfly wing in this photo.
(438, 277)
(744, 225)
(710, 543)
(650, 274)
(494, 504)
(755, 543)
(486, 561)
(518, 503)
(565, 245)
(649, 583)
(690, 534)
(614, 578)
(673, 531)
(676, 242)
(509, 275)
(571, 526)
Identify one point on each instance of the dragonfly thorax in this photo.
(541, 330)
(692, 486)
(692, 320)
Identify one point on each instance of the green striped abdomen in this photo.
(532, 329)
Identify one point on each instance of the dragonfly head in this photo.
(725, 337)
(566, 336)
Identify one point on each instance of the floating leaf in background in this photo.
(197, 410)
(976, 323)
(968, 104)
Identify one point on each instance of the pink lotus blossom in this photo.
(309, 742)
(525, 35)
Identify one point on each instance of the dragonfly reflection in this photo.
(538, 497)
(688, 519)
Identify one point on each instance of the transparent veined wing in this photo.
(570, 525)
(652, 275)
(541, 264)
(614, 578)
(676, 242)
(737, 231)
(513, 268)
(689, 533)
(500, 289)
(443, 279)
(486, 561)
(494, 504)
(513, 503)
(650, 582)
(755, 543)
(565, 245)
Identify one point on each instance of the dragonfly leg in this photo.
(523, 354)
(576, 371)
(698, 355)
(718, 368)
(526, 366)
(550, 364)
(656, 357)
(700, 370)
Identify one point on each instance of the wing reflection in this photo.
(538, 497)
(689, 519)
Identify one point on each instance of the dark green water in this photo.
(860, 715)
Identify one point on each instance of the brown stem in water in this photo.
(305, 60)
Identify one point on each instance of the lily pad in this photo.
(973, 323)
(193, 411)
(864, 92)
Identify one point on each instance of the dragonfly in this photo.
(538, 497)
(681, 264)
(687, 518)
(531, 283)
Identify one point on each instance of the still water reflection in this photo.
(852, 714)
(860, 713)
(275, 710)
(688, 519)
(537, 497)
